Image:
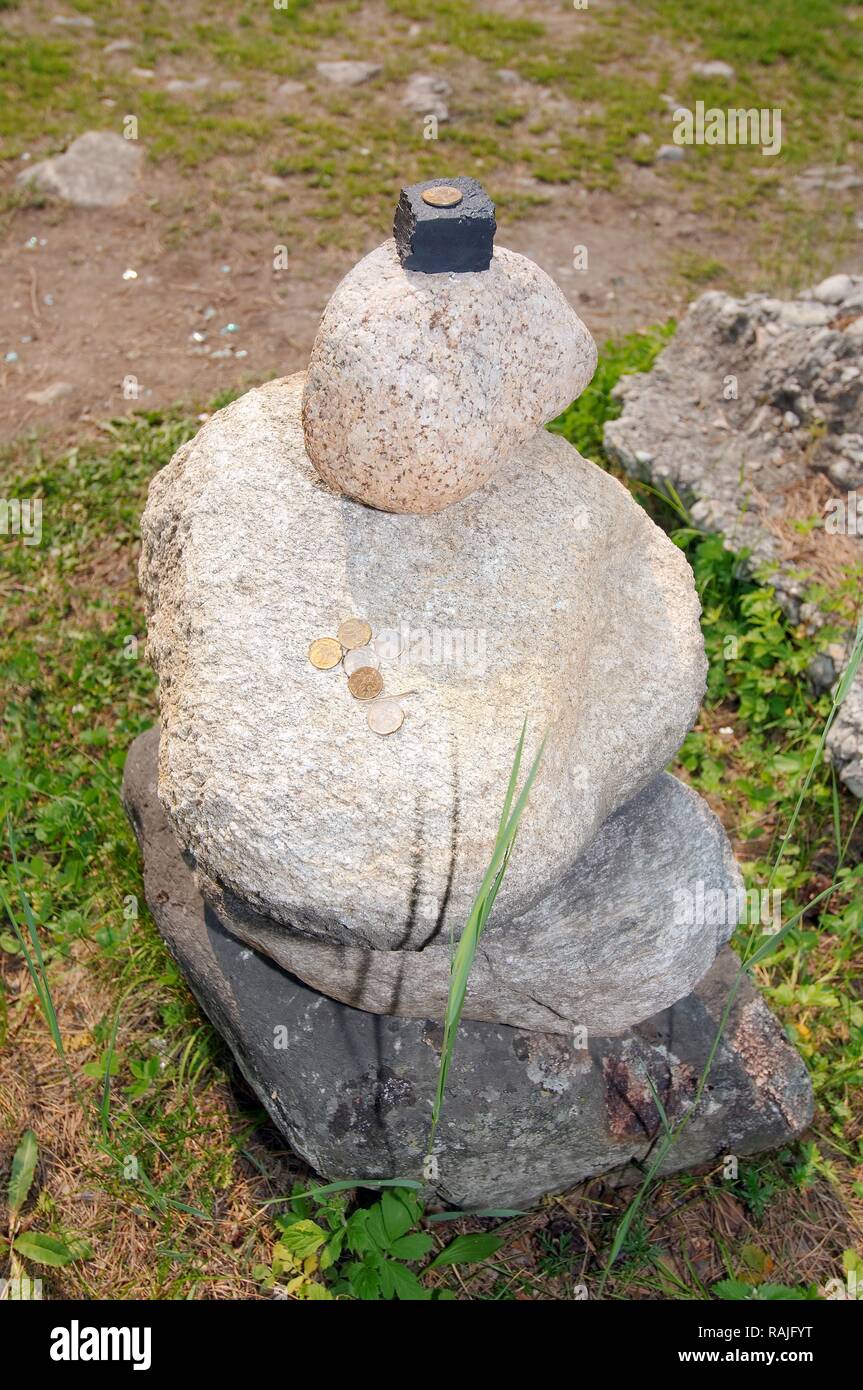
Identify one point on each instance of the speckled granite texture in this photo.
(577, 613)
(421, 386)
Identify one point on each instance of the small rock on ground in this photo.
(347, 74)
(426, 95)
(838, 178)
(714, 68)
(178, 85)
(99, 169)
(49, 394)
(286, 91)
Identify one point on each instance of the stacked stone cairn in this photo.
(308, 874)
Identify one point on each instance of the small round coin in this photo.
(388, 643)
(361, 656)
(325, 653)
(443, 195)
(354, 632)
(385, 716)
(366, 683)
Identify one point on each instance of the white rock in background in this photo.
(560, 602)
(98, 170)
(838, 178)
(845, 744)
(49, 394)
(286, 91)
(834, 289)
(714, 68)
(420, 386)
(347, 74)
(426, 95)
(179, 86)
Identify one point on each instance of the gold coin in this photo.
(443, 196)
(354, 632)
(360, 656)
(385, 716)
(366, 683)
(325, 653)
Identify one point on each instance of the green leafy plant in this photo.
(37, 1247)
(737, 1290)
(370, 1253)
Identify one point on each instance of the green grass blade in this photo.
(41, 980)
(657, 1101)
(465, 951)
(105, 1103)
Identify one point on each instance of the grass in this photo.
(152, 1155)
(182, 1168)
(608, 70)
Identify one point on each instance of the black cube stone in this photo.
(440, 239)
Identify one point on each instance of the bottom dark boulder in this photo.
(525, 1113)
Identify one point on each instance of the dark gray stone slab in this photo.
(434, 239)
(525, 1113)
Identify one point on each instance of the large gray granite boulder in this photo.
(755, 413)
(579, 614)
(525, 1113)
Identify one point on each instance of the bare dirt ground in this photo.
(200, 230)
(100, 329)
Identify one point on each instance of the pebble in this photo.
(286, 90)
(715, 68)
(837, 177)
(178, 85)
(426, 95)
(834, 289)
(347, 74)
(49, 394)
